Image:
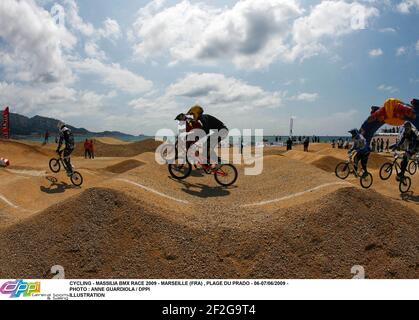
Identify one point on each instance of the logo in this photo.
(19, 288)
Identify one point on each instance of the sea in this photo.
(80, 138)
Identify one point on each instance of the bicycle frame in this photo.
(200, 160)
(61, 159)
(351, 165)
(396, 164)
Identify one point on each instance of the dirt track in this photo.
(296, 220)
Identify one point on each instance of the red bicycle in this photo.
(225, 174)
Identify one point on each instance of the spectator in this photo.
(92, 149)
(46, 137)
(306, 144)
(87, 149)
(333, 144)
(382, 145)
(388, 145)
(289, 144)
(373, 144)
(346, 145)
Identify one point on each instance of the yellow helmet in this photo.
(196, 111)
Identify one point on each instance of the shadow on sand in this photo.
(410, 197)
(57, 187)
(202, 190)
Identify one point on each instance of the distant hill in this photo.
(24, 126)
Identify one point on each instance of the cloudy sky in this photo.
(133, 65)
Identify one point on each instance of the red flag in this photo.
(6, 124)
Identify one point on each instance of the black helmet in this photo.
(407, 125)
(415, 103)
(180, 117)
(374, 109)
(354, 132)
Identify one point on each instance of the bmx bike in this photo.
(344, 169)
(55, 165)
(386, 171)
(225, 174)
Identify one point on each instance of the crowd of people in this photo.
(341, 143)
(379, 145)
(305, 141)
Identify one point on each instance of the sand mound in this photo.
(111, 140)
(327, 163)
(103, 233)
(124, 166)
(334, 156)
(119, 150)
(12, 148)
(325, 238)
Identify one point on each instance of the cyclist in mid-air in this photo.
(409, 140)
(66, 138)
(210, 123)
(362, 149)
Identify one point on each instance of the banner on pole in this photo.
(6, 123)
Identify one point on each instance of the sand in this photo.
(131, 220)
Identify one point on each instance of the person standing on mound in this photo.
(306, 144)
(92, 149)
(46, 137)
(289, 144)
(87, 149)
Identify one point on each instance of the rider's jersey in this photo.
(211, 123)
(409, 139)
(66, 137)
(360, 144)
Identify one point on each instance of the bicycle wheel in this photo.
(180, 171)
(405, 184)
(55, 165)
(77, 179)
(386, 171)
(226, 175)
(413, 167)
(367, 180)
(342, 170)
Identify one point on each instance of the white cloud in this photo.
(75, 21)
(376, 53)
(92, 50)
(114, 75)
(34, 44)
(388, 88)
(401, 51)
(251, 34)
(388, 30)
(406, 6)
(417, 47)
(55, 101)
(306, 97)
(111, 29)
(213, 91)
(329, 19)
